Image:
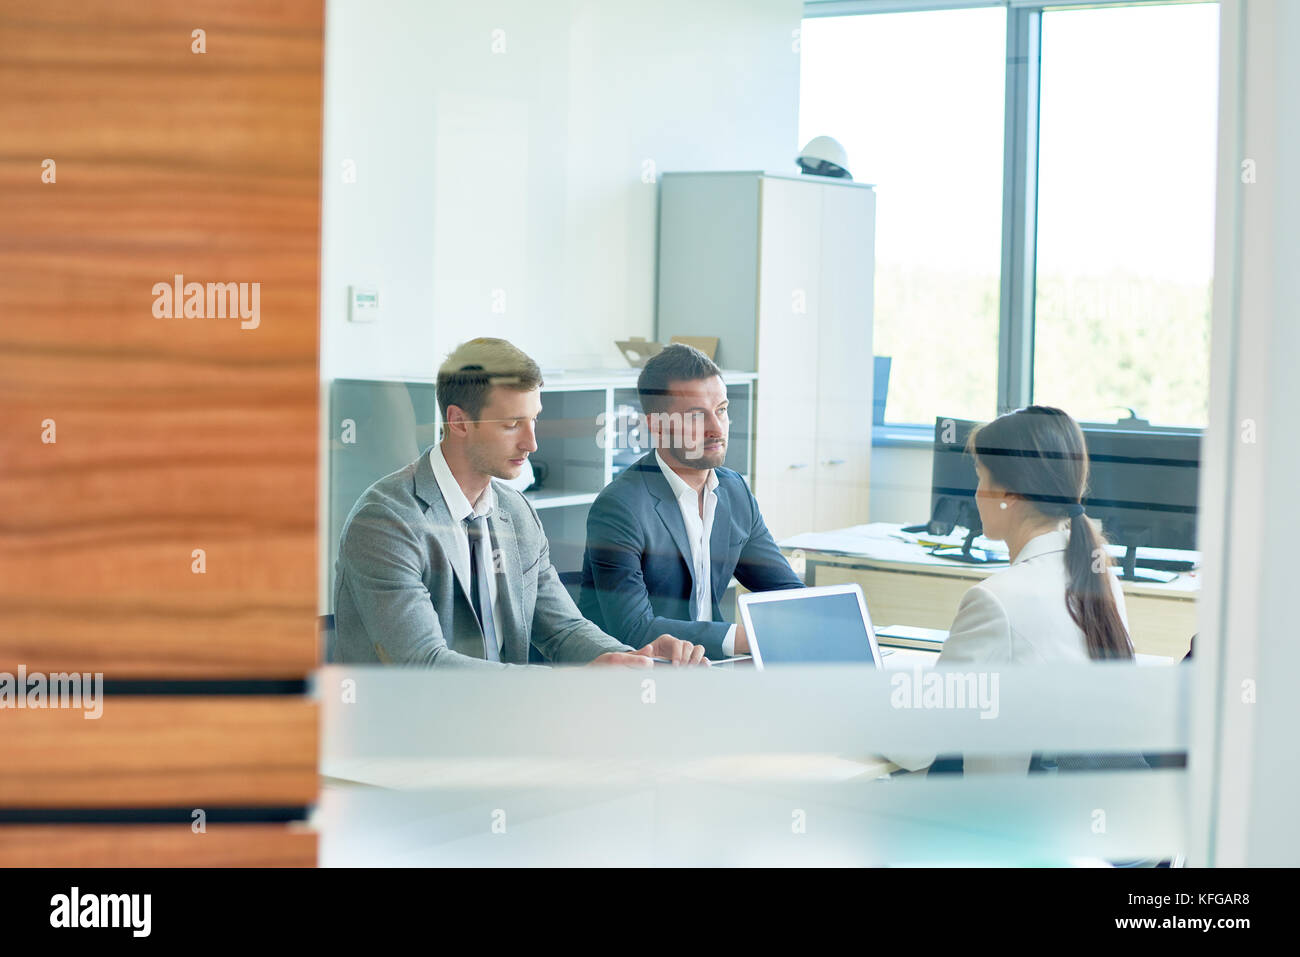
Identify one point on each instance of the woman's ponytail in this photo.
(1088, 596)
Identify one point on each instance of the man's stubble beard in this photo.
(485, 466)
(701, 460)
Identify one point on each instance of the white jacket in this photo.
(1016, 616)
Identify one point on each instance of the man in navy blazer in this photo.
(665, 538)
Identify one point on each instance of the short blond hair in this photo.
(473, 368)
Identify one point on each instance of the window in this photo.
(883, 85)
(1126, 172)
(1119, 166)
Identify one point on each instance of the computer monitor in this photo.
(1143, 487)
(952, 490)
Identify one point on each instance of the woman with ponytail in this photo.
(1058, 601)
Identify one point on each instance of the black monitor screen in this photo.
(810, 629)
(952, 478)
(1143, 484)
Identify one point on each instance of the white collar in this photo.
(678, 484)
(457, 504)
(1044, 544)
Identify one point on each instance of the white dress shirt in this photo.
(1016, 616)
(698, 529)
(459, 507)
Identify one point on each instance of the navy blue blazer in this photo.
(636, 574)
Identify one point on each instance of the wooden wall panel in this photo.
(173, 434)
(156, 845)
(191, 751)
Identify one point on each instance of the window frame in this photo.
(1016, 304)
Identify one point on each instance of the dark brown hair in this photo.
(470, 372)
(674, 363)
(1039, 454)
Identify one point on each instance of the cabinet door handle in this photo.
(833, 462)
(798, 465)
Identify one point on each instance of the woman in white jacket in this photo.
(1058, 601)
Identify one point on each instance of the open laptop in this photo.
(819, 625)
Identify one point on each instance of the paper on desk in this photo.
(878, 540)
(936, 635)
(848, 541)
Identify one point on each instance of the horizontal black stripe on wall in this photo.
(258, 686)
(152, 815)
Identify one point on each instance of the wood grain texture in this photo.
(156, 845)
(173, 434)
(188, 752)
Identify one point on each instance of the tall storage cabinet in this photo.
(781, 269)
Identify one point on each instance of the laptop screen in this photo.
(810, 629)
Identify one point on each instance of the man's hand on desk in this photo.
(672, 650)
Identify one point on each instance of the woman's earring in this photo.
(1002, 504)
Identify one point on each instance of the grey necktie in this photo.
(480, 564)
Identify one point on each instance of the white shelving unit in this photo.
(543, 500)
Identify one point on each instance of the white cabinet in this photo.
(781, 269)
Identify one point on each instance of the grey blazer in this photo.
(398, 598)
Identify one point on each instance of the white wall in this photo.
(522, 170)
(900, 484)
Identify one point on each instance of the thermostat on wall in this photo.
(363, 303)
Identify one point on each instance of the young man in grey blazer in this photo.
(441, 566)
(666, 536)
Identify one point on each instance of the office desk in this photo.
(712, 774)
(468, 774)
(415, 775)
(904, 585)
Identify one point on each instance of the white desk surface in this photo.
(443, 774)
(420, 774)
(884, 546)
(407, 774)
(904, 658)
